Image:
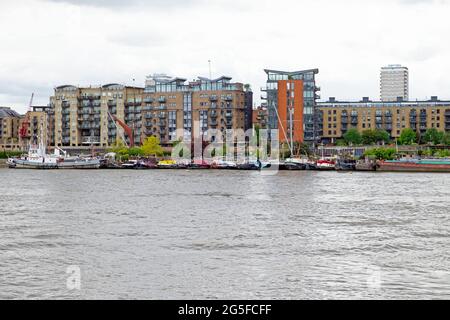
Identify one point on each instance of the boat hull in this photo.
(412, 167)
(23, 164)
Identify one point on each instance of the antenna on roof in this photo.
(210, 74)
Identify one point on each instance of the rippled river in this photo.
(223, 235)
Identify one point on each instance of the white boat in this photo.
(37, 158)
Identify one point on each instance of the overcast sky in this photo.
(45, 43)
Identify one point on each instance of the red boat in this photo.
(325, 164)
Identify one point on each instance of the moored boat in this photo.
(37, 158)
(415, 165)
(324, 164)
(345, 165)
(168, 164)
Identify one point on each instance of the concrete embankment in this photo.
(3, 163)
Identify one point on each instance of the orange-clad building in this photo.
(291, 101)
(290, 110)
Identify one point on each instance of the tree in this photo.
(446, 139)
(381, 153)
(376, 136)
(353, 137)
(135, 152)
(408, 137)
(433, 136)
(382, 136)
(152, 147)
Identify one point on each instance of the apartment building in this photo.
(337, 117)
(291, 101)
(394, 83)
(9, 129)
(83, 116)
(174, 109)
(40, 126)
(260, 117)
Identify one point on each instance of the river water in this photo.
(223, 235)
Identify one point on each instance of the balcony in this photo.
(228, 98)
(84, 126)
(162, 116)
(149, 100)
(112, 103)
(162, 99)
(213, 98)
(343, 120)
(213, 123)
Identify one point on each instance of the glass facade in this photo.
(187, 116)
(309, 94)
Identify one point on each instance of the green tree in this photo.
(152, 147)
(381, 153)
(369, 137)
(376, 136)
(433, 136)
(118, 146)
(135, 152)
(353, 137)
(382, 136)
(446, 139)
(408, 137)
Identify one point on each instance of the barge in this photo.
(415, 165)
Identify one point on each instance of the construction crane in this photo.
(23, 131)
(129, 131)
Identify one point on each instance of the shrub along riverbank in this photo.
(7, 154)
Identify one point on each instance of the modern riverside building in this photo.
(337, 117)
(172, 107)
(9, 129)
(394, 83)
(83, 116)
(260, 116)
(291, 101)
(41, 124)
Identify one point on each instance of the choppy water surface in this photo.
(227, 235)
